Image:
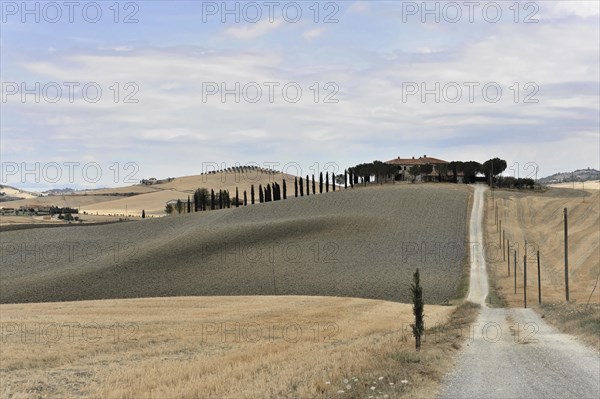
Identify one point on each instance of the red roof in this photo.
(416, 161)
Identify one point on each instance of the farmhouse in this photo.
(404, 165)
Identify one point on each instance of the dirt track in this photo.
(513, 353)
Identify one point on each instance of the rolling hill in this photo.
(364, 243)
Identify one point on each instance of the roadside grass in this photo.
(573, 318)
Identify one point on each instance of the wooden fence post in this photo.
(515, 271)
(508, 252)
(539, 281)
(525, 281)
(566, 256)
(503, 246)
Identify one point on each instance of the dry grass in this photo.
(169, 350)
(539, 219)
(573, 318)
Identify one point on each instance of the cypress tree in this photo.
(228, 199)
(143, 214)
(260, 194)
(417, 295)
(220, 199)
(313, 184)
(268, 193)
(252, 194)
(301, 186)
(284, 189)
(212, 199)
(296, 186)
(321, 183)
(345, 179)
(307, 186)
(245, 199)
(333, 181)
(326, 182)
(237, 198)
(189, 205)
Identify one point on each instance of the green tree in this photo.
(492, 168)
(252, 194)
(212, 199)
(321, 183)
(143, 214)
(237, 198)
(284, 189)
(313, 185)
(417, 296)
(426, 169)
(296, 186)
(414, 171)
(326, 182)
(442, 170)
(179, 206)
(301, 186)
(245, 199)
(470, 170)
(261, 198)
(307, 186)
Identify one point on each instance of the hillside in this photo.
(575, 176)
(362, 243)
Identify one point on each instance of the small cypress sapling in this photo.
(143, 214)
(417, 296)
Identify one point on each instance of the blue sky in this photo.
(366, 57)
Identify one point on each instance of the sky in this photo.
(107, 93)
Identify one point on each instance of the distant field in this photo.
(588, 185)
(361, 243)
(178, 347)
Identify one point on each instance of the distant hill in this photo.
(8, 193)
(575, 176)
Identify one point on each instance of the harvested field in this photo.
(361, 243)
(538, 218)
(309, 347)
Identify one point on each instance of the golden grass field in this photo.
(538, 218)
(173, 347)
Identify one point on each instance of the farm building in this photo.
(404, 165)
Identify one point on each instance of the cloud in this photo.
(313, 33)
(359, 7)
(253, 30)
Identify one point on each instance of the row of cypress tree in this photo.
(203, 200)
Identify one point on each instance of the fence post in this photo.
(539, 281)
(499, 231)
(525, 281)
(566, 256)
(515, 271)
(503, 246)
(508, 251)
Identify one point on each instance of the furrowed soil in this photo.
(354, 243)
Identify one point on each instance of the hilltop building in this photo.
(404, 165)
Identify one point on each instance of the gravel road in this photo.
(513, 353)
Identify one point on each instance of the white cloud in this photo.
(253, 30)
(359, 7)
(313, 33)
